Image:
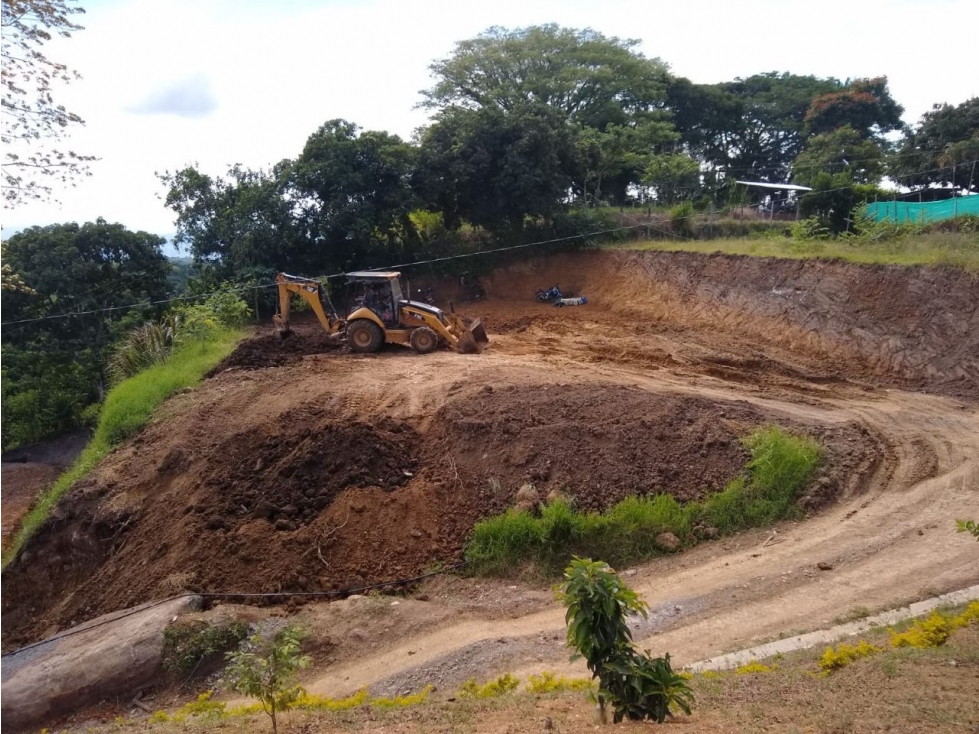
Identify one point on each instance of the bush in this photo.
(845, 654)
(143, 347)
(186, 645)
(780, 466)
(638, 686)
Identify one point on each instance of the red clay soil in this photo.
(910, 327)
(21, 484)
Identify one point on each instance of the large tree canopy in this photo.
(843, 150)
(54, 367)
(493, 168)
(240, 222)
(593, 80)
(864, 105)
(354, 189)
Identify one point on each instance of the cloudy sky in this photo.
(218, 82)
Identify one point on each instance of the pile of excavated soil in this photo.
(310, 501)
(270, 350)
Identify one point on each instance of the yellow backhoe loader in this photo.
(381, 314)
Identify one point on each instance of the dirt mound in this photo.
(290, 475)
(597, 444)
(270, 350)
(310, 499)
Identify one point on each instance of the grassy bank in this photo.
(779, 468)
(957, 249)
(128, 406)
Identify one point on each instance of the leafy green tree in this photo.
(588, 78)
(32, 119)
(637, 686)
(355, 195)
(833, 199)
(843, 150)
(494, 169)
(610, 161)
(673, 176)
(708, 119)
(941, 150)
(84, 278)
(771, 131)
(265, 668)
(245, 220)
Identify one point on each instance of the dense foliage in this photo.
(54, 367)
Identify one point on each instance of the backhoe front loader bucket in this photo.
(472, 339)
(478, 332)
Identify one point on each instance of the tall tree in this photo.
(355, 194)
(591, 79)
(942, 149)
(245, 220)
(495, 168)
(843, 150)
(864, 105)
(32, 119)
(771, 132)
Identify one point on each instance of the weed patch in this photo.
(779, 468)
(503, 685)
(547, 682)
(755, 667)
(186, 645)
(845, 654)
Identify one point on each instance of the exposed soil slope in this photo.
(288, 471)
(916, 328)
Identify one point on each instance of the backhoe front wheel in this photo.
(424, 340)
(363, 335)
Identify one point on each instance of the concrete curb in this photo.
(828, 636)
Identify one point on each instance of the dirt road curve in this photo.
(303, 471)
(892, 544)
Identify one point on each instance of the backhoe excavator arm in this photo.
(310, 291)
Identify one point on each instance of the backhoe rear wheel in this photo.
(363, 335)
(424, 340)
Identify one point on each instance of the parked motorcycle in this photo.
(551, 294)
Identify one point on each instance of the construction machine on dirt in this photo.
(380, 315)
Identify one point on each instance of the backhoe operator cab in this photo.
(381, 314)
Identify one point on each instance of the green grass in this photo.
(779, 468)
(127, 408)
(956, 249)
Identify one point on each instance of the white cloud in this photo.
(269, 73)
(190, 97)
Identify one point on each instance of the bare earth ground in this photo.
(345, 468)
(30, 470)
